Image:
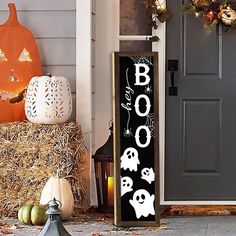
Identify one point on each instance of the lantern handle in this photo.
(60, 204)
(110, 123)
(110, 126)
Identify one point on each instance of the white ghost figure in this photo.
(148, 175)
(126, 185)
(143, 203)
(129, 160)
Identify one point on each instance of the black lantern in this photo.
(54, 226)
(103, 160)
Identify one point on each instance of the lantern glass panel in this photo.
(105, 182)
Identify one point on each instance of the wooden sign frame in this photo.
(131, 216)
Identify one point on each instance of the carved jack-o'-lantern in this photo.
(19, 62)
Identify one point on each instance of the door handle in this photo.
(172, 67)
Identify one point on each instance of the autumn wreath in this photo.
(213, 12)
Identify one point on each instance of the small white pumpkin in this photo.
(228, 16)
(60, 189)
(48, 100)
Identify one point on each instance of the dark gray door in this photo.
(200, 154)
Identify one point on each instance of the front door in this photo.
(200, 160)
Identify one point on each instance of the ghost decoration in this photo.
(148, 175)
(129, 160)
(126, 185)
(143, 203)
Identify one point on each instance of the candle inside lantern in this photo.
(110, 183)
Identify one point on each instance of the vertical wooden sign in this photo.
(136, 144)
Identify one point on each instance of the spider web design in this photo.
(142, 60)
(150, 123)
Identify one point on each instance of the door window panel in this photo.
(135, 46)
(134, 19)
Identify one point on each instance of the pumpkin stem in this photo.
(58, 174)
(12, 20)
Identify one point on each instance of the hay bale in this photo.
(30, 153)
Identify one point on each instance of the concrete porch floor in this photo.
(101, 226)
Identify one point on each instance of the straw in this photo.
(30, 153)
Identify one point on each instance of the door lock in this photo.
(172, 67)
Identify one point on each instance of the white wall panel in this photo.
(29, 5)
(46, 24)
(57, 51)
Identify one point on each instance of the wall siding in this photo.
(42, 5)
(53, 23)
(47, 24)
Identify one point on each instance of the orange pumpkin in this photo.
(19, 62)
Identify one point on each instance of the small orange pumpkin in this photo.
(19, 62)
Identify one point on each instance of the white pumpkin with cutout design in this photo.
(48, 100)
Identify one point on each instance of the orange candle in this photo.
(110, 183)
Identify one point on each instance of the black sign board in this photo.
(136, 142)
